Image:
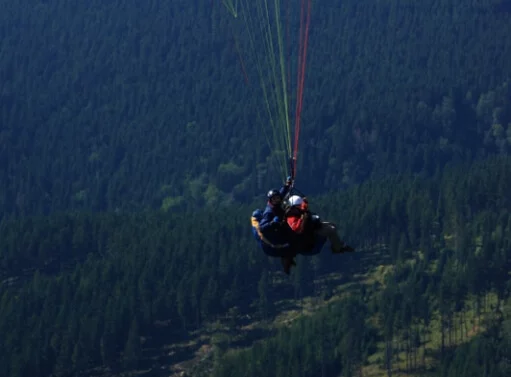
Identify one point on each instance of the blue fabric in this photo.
(284, 190)
(267, 249)
(272, 231)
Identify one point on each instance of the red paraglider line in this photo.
(302, 59)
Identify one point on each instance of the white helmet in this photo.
(295, 200)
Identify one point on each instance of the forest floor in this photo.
(194, 356)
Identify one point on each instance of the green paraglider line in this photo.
(281, 139)
(231, 7)
(273, 69)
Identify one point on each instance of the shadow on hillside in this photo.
(157, 359)
(339, 273)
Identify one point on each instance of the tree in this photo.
(265, 305)
(132, 349)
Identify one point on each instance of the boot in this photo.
(343, 249)
(347, 249)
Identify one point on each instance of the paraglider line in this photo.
(304, 39)
(240, 58)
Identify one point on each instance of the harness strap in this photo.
(255, 224)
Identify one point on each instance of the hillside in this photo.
(133, 150)
(117, 105)
(150, 280)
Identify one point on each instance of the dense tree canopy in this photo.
(140, 270)
(132, 154)
(117, 104)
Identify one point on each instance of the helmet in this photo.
(272, 193)
(295, 200)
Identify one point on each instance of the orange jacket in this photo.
(296, 216)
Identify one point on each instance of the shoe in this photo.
(347, 249)
(343, 249)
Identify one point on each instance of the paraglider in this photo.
(286, 227)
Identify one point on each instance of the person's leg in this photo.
(329, 231)
(287, 262)
(287, 258)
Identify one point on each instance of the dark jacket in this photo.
(277, 232)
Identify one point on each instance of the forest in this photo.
(132, 156)
(449, 262)
(118, 105)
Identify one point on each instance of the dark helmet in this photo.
(273, 193)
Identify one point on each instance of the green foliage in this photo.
(112, 110)
(426, 294)
(334, 339)
(100, 283)
(170, 203)
(103, 103)
(132, 350)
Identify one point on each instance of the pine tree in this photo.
(132, 349)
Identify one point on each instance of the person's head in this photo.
(274, 197)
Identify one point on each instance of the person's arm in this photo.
(269, 220)
(287, 186)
